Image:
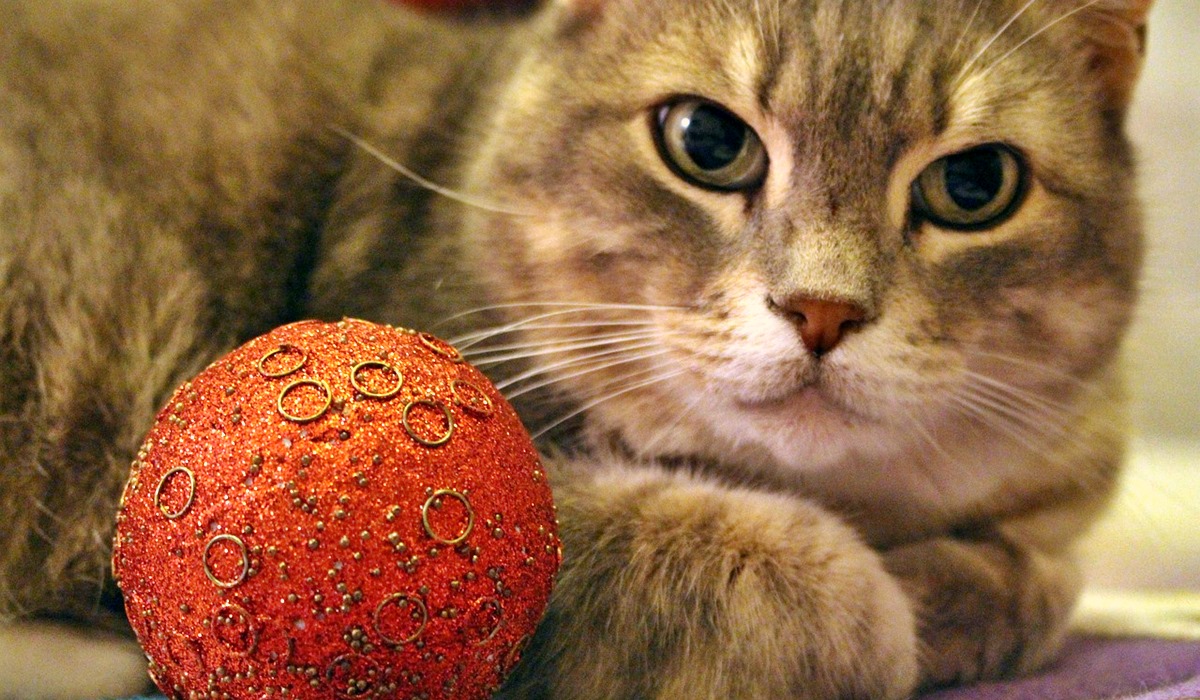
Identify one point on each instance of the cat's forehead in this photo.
(855, 68)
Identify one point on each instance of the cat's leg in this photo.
(677, 587)
(989, 604)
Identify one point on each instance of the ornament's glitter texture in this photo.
(336, 511)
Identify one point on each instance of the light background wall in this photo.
(1153, 538)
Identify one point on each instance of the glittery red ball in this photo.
(338, 510)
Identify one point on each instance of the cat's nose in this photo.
(822, 323)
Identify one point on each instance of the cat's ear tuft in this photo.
(1115, 33)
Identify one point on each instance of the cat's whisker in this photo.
(922, 431)
(1040, 401)
(603, 398)
(589, 370)
(1039, 368)
(970, 408)
(573, 361)
(568, 305)
(460, 197)
(571, 358)
(1027, 398)
(46, 511)
(548, 346)
(579, 334)
(1033, 36)
(585, 325)
(966, 69)
(466, 341)
(967, 28)
(1034, 430)
(650, 447)
(1034, 420)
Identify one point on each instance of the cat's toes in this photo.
(986, 610)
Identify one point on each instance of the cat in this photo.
(813, 305)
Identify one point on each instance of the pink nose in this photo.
(822, 323)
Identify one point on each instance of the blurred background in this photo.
(1152, 538)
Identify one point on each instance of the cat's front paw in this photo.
(988, 607)
(675, 587)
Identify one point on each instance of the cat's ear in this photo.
(1115, 34)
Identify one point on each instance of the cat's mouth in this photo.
(811, 400)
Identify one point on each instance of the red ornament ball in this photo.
(338, 510)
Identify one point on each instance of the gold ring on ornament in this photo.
(438, 442)
(313, 416)
(262, 361)
(514, 653)
(162, 483)
(380, 365)
(429, 528)
(245, 561)
(440, 347)
(254, 633)
(492, 603)
(368, 688)
(406, 598)
(480, 403)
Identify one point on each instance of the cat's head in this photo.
(806, 234)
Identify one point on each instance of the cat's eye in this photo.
(971, 190)
(709, 146)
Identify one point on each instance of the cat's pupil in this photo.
(974, 179)
(712, 137)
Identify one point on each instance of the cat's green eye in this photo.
(970, 190)
(709, 146)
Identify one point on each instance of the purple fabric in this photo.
(1095, 669)
(1102, 669)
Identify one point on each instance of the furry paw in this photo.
(678, 587)
(987, 608)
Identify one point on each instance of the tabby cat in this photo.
(814, 305)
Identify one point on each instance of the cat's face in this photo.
(824, 232)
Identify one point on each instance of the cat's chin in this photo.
(806, 429)
(807, 399)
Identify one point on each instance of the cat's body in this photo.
(827, 438)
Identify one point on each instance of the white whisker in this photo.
(967, 28)
(636, 346)
(571, 306)
(988, 44)
(470, 339)
(446, 192)
(551, 346)
(1039, 367)
(1034, 401)
(1031, 429)
(572, 362)
(970, 408)
(585, 324)
(492, 333)
(1034, 35)
(607, 397)
(648, 448)
(920, 429)
(591, 370)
